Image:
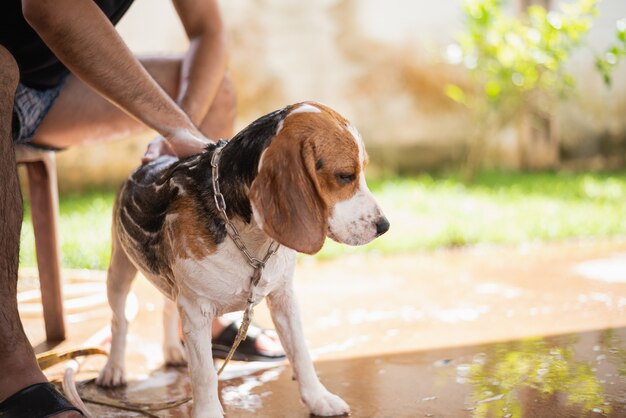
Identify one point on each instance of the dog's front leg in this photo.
(285, 314)
(197, 316)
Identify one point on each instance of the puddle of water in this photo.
(241, 396)
(502, 377)
(241, 369)
(564, 376)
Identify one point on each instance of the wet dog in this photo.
(293, 177)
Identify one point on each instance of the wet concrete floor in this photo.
(533, 331)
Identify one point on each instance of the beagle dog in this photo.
(294, 176)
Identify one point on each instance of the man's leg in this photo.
(17, 359)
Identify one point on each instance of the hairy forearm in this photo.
(202, 72)
(205, 62)
(86, 42)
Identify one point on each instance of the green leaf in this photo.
(493, 89)
(456, 93)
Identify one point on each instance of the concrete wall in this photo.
(379, 63)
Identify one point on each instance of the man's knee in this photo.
(9, 73)
(226, 97)
(9, 78)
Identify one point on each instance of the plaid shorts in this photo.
(30, 108)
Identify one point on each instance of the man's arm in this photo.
(205, 62)
(203, 65)
(85, 41)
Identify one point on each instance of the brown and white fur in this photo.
(296, 176)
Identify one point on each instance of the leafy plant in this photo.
(516, 63)
(611, 58)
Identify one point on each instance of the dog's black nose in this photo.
(382, 226)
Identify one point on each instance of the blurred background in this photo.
(387, 66)
(484, 123)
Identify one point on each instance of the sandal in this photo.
(247, 350)
(40, 400)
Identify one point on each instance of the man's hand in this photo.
(157, 147)
(180, 144)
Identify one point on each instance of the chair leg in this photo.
(44, 202)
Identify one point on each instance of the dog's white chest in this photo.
(224, 278)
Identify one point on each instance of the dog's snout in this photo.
(382, 226)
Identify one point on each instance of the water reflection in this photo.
(576, 375)
(616, 353)
(506, 375)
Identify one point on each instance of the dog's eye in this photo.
(345, 178)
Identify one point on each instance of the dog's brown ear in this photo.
(285, 195)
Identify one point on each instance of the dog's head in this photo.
(311, 183)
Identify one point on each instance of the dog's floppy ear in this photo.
(285, 195)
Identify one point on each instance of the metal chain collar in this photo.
(231, 230)
(256, 263)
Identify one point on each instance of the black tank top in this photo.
(39, 67)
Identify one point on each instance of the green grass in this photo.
(429, 212)
(84, 231)
(426, 212)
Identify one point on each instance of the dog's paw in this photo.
(325, 404)
(112, 375)
(175, 355)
